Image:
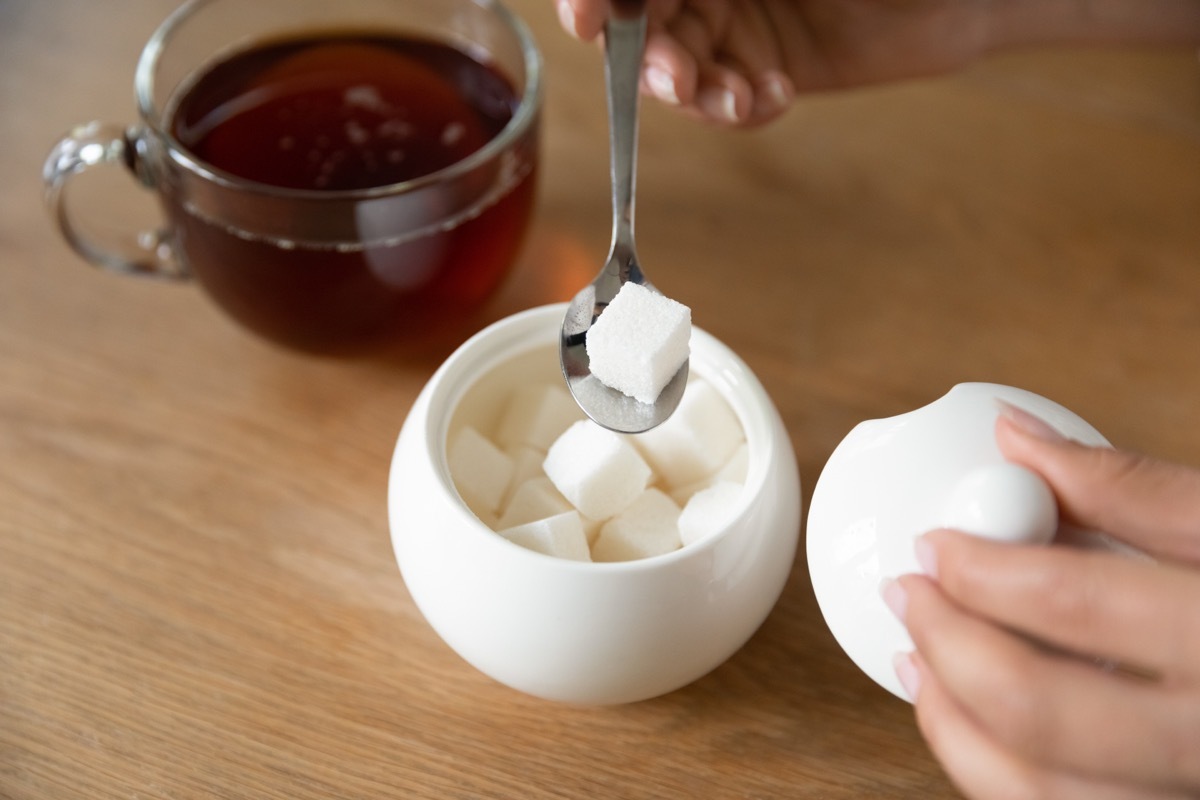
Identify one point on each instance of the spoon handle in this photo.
(624, 43)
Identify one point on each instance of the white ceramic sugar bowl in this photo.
(580, 632)
(891, 480)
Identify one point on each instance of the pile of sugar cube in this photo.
(640, 341)
(553, 481)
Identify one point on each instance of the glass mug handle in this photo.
(100, 144)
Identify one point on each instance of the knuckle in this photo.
(1113, 474)
(1013, 709)
(1182, 746)
(1025, 785)
(1125, 467)
(1065, 596)
(1018, 785)
(1118, 465)
(1127, 473)
(1068, 594)
(1187, 642)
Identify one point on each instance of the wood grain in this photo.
(197, 592)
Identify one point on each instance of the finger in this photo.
(740, 77)
(768, 90)
(583, 19)
(729, 93)
(807, 65)
(659, 12)
(695, 32)
(1141, 614)
(1048, 710)
(681, 70)
(980, 767)
(751, 48)
(751, 44)
(715, 92)
(1150, 504)
(774, 93)
(700, 24)
(710, 92)
(723, 95)
(671, 73)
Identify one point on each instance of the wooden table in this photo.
(197, 592)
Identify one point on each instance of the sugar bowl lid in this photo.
(890, 480)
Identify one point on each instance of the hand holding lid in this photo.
(891, 480)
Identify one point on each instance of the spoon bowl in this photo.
(624, 43)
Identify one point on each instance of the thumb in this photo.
(1151, 504)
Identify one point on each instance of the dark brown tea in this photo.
(332, 116)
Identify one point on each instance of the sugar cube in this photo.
(534, 499)
(599, 471)
(696, 440)
(640, 341)
(527, 464)
(647, 527)
(536, 414)
(708, 511)
(735, 469)
(738, 465)
(481, 470)
(561, 535)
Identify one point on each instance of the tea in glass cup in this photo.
(333, 175)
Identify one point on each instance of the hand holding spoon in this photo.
(624, 42)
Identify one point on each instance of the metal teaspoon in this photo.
(624, 42)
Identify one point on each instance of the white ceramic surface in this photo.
(890, 480)
(588, 633)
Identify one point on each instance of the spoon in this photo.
(624, 42)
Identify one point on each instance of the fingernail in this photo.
(926, 556)
(1029, 424)
(894, 597)
(662, 84)
(909, 675)
(718, 103)
(566, 17)
(779, 88)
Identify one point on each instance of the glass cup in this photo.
(324, 265)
